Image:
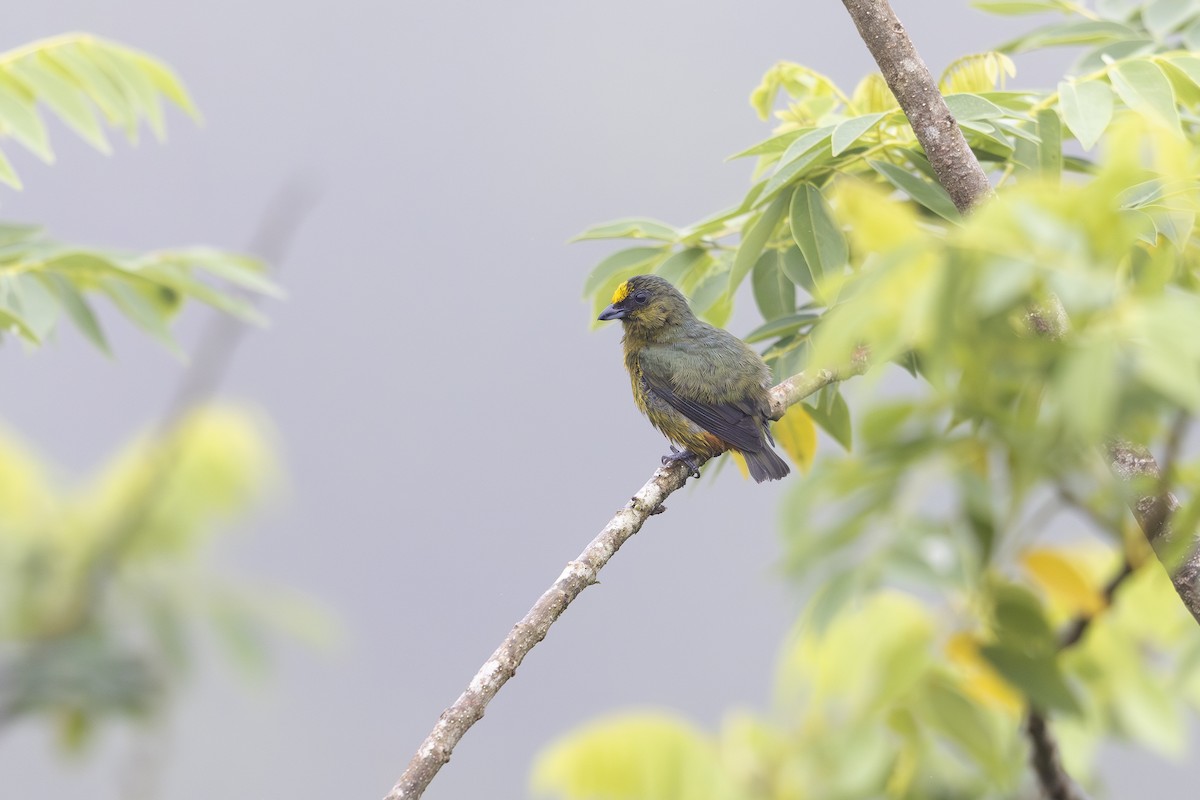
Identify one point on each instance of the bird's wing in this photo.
(734, 423)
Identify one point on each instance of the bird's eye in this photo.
(640, 298)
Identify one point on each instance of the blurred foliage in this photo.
(893, 698)
(103, 589)
(937, 606)
(88, 82)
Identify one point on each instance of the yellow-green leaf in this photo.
(1063, 581)
(796, 433)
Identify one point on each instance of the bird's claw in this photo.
(686, 456)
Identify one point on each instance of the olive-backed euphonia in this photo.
(703, 387)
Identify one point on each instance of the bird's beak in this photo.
(612, 312)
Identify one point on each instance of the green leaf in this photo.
(180, 280)
(772, 146)
(635, 755)
(7, 174)
(1087, 108)
(73, 59)
(56, 89)
(128, 71)
(163, 79)
(20, 118)
(12, 317)
(848, 132)
(796, 268)
(1101, 56)
(80, 312)
(973, 107)
(38, 305)
(641, 259)
(809, 150)
(985, 138)
(1065, 34)
(1146, 89)
(1191, 36)
(676, 268)
(929, 194)
(755, 238)
(774, 292)
(1019, 618)
(817, 234)
(1017, 7)
(630, 228)
(1162, 17)
(962, 722)
(1036, 676)
(146, 307)
(834, 418)
(1050, 155)
(240, 270)
(783, 326)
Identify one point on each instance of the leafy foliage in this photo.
(893, 698)
(42, 281)
(81, 79)
(76, 76)
(988, 432)
(99, 583)
(99, 591)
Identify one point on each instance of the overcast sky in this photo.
(453, 431)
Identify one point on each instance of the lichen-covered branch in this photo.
(579, 574)
(957, 169)
(1153, 507)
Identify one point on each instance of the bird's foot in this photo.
(686, 456)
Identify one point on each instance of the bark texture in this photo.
(1153, 507)
(579, 574)
(957, 169)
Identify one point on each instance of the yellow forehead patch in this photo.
(621, 293)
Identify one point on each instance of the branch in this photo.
(1055, 783)
(957, 169)
(1043, 753)
(1153, 510)
(579, 574)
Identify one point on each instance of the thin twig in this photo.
(579, 574)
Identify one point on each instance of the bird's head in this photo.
(647, 303)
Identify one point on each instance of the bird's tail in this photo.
(766, 465)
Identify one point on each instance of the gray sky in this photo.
(453, 432)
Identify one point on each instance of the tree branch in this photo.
(579, 574)
(957, 169)
(1055, 783)
(1153, 510)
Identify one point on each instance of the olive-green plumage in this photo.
(703, 387)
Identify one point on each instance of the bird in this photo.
(701, 386)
